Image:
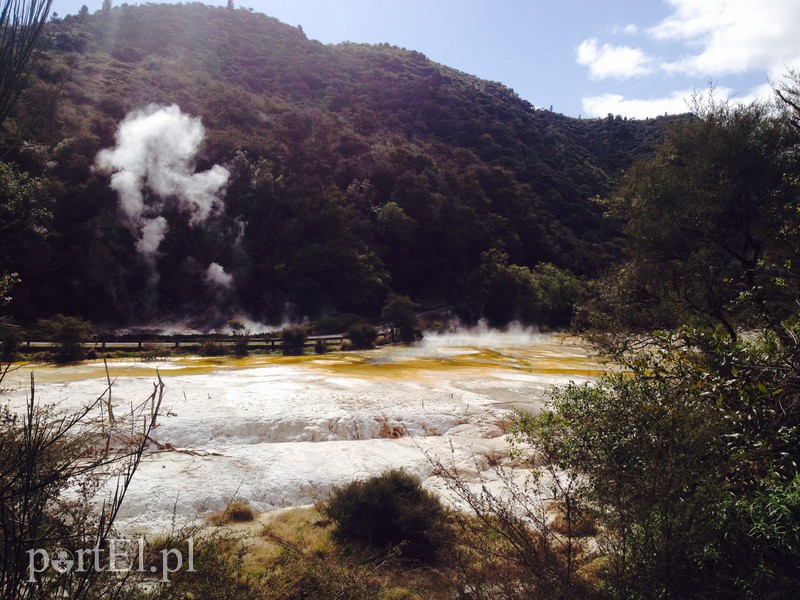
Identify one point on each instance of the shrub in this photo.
(68, 335)
(297, 575)
(219, 567)
(212, 349)
(388, 511)
(363, 335)
(237, 511)
(53, 471)
(242, 338)
(9, 341)
(241, 346)
(152, 352)
(294, 339)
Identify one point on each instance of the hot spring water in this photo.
(281, 431)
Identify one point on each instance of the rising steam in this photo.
(153, 162)
(218, 278)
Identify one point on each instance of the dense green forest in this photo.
(168, 162)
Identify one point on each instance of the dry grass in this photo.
(306, 528)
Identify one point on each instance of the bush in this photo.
(9, 341)
(242, 338)
(212, 349)
(399, 313)
(68, 335)
(294, 340)
(219, 568)
(237, 511)
(241, 346)
(388, 511)
(363, 336)
(54, 466)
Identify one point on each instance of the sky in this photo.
(582, 58)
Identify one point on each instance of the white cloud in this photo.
(616, 104)
(620, 62)
(676, 102)
(731, 36)
(629, 29)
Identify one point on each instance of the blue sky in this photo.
(584, 58)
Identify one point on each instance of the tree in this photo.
(399, 313)
(709, 224)
(544, 295)
(682, 454)
(679, 457)
(788, 93)
(21, 25)
(241, 337)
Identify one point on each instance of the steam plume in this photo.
(217, 277)
(153, 161)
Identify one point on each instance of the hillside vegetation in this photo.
(353, 171)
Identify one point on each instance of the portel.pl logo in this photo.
(114, 559)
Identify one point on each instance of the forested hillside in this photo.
(173, 161)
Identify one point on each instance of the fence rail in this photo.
(183, 341)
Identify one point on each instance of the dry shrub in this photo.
(237, 511)
(390, 431)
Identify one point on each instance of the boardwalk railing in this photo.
(254, 342)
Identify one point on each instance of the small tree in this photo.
(68, 334)
(400, 315)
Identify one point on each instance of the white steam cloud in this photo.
(153, 162)
(152, 232)
(217, 277)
